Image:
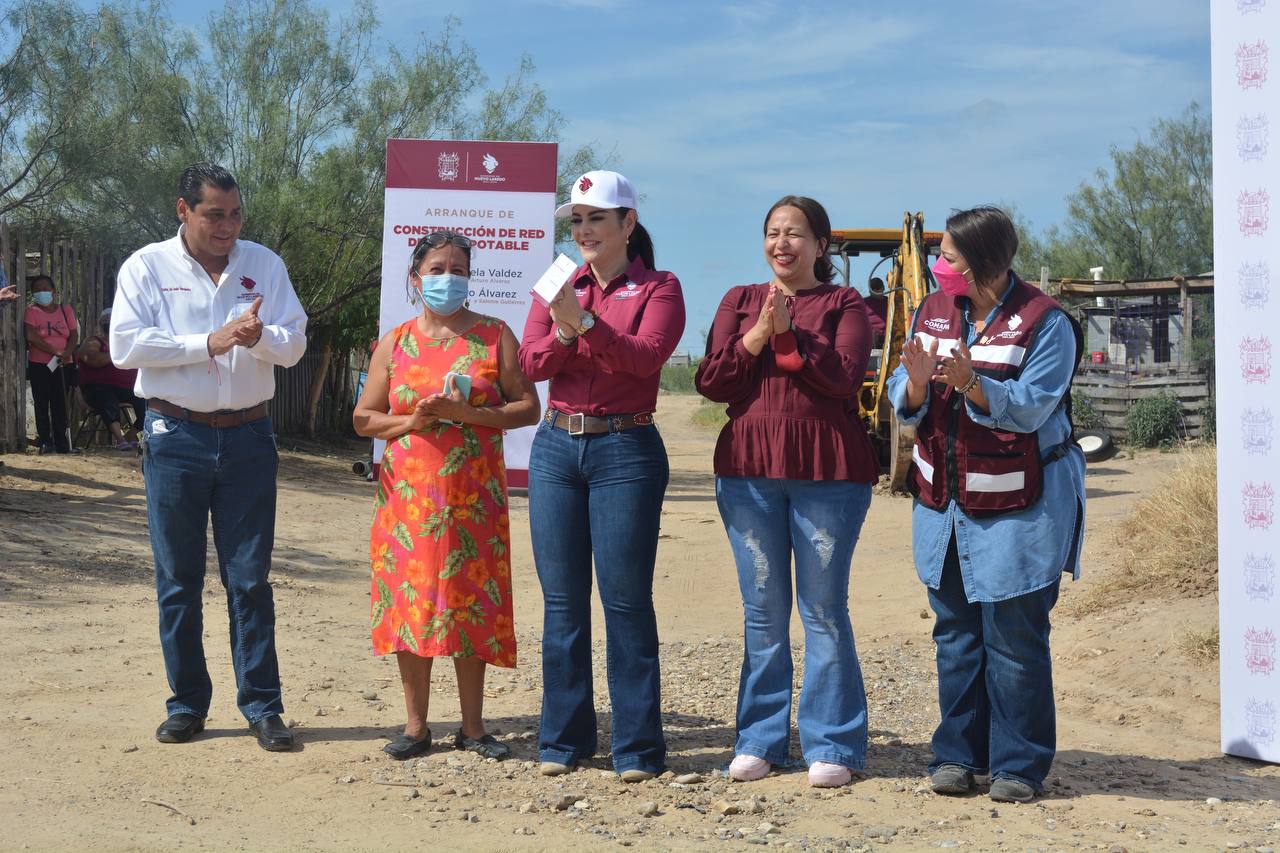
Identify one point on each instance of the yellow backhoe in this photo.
(907, 282)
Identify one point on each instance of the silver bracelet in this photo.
(970, 385)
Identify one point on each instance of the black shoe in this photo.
(408, 746)
(273, 734)
(485, 745)
(951, 779)
(180, 728)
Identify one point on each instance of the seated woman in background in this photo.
(106, 386)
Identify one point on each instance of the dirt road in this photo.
(82, 689)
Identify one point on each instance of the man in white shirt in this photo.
(205, 317)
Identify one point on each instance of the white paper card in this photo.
(53, 363)
(548, 287)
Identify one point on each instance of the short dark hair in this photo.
(876, 285)
(36, 279)
(197, 176)
(985, 236)
(819, 223)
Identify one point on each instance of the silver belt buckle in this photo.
(579, 426)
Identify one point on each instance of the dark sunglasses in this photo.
(436, 239)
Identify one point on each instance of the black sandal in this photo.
(407, 746)
(486, 746)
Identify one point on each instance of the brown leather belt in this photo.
(579, 424)
(213, 419)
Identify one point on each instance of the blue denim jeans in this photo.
(192, 472)
(995, 680)
(598, 495)
(769, 521)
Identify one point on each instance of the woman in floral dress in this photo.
(440, 545)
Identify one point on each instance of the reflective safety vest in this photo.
(987, 471)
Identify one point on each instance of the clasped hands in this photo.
(243, 331)
(774, 319)
(924, 366)
(434, 408)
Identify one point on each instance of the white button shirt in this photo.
(166, 306)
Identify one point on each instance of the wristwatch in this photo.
(586, 323)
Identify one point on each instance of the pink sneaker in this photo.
(748, 768)
(823, 774)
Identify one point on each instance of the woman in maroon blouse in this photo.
(794, 469)
(597, 475)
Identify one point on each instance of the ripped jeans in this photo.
(767, 521)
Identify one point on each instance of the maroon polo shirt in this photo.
(793, 409)
(614, 368)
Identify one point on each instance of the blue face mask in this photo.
(444, 294)
(44, 297)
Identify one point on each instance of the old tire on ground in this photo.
(1096, 444)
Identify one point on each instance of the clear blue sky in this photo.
(714, 110)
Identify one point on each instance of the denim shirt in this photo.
(1013, 553)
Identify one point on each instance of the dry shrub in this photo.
(1169, 545)
(1200, 646)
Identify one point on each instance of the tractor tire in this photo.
(901, 440)
(1096, 444)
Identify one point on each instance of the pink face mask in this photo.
(950, 282)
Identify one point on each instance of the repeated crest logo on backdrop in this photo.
(1252, 209)
(1252, 133)
(1254, 281)
(1255, 359)
(1260, 720)
(1251, 65)
(1259, 505)
(1257, 430)
(1260, 651)
(1259, 577)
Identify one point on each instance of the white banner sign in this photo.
(1246, 178)
(499, 194)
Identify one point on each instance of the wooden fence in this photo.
(1112, 392)
(85, 280)
(289, 408)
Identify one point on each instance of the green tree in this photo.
(299, 107)
(1149, 215)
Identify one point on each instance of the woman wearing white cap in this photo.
(597, 475)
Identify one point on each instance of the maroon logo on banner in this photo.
(1257, 429)
(1255, 359)
(1259, 505)
(1260, 651)
(1259, 577)
(584, 184)
(1251, 212)
(1251, 137)
(448, 166)
(1260, 720)
(1251, 65)
(247, 283)
(1247, 6)
(1255, 284)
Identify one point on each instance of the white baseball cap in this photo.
(599, 189)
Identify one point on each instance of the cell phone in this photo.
(459, 381)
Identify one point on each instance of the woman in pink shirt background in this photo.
(794, 469)
(51, 332)
(597, 475)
